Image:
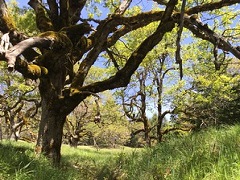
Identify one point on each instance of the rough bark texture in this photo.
(50, 132)
(51, 124)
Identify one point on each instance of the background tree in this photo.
(212, 78)
(113, 129)
(63, 43)
(147, 91)
(211, 99)
(99, 122)
(135, 106)
(19, 105)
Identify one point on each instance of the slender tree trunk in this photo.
(146, 132)
(1, 137)
(159, 76)
(159, 134)
(159, 123)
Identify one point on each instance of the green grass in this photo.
(18, 161)
(212, 154)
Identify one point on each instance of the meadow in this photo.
(211, 154)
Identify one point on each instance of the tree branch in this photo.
(64, 17)
(53, 6)
(137, 132)
(161, 2)
(179, 34)
(123, 7)
(132, 23)
(6, 23)
(175, 129)
(99, 38)
(18, 49)
(16, 37)
(101, 41)
(205, 33)
(211, 6)
(122, 77)
(75, 8)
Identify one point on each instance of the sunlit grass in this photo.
(18, 161)
(212, 154)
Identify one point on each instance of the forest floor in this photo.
(212, 154)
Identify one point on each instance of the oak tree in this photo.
(66, 39)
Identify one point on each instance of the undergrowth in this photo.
(211, 154)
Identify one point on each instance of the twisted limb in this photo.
(43, 22)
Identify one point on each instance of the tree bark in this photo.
(50, 132)
(52, 119)
(50, 135)
(1, 134)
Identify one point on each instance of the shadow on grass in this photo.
(18, 161)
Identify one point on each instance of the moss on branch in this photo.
(31, 71)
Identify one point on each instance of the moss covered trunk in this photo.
(52, 119)
(50, 134)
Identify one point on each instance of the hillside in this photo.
(209, 154)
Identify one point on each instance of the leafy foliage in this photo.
(211, 97)
(19, 105)
(23, 18)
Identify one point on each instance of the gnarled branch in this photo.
(211, 6)
(204, 32)
(122, 77)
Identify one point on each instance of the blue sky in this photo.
(21, 2)
(145, 4)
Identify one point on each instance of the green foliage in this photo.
(17, 104)
(13, 85)
(23, 18)
(212, 97)
(112, 130)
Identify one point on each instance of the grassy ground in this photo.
(211, 154)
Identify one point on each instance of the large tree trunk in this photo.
(52, 119)
(50, 132)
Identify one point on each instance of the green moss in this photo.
(8, 23)
(37, 70)
(84, 43)
(61, 41)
